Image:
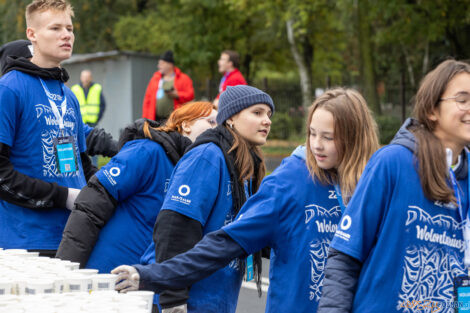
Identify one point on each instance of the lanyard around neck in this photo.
(63, 106)
(455, 186)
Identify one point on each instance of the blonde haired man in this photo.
(42, 143)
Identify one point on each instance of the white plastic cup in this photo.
(31, 254)
(86, 271)
(39, 286)
(74, 266)
(16, 252)
(6, 286)
(78, 283)
(103, 282)
(20, 286)
(145, 295)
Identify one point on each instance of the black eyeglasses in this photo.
(462, 101)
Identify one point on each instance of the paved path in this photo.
(248, 301)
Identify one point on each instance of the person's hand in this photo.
(176, 309)
(128, 278)
(73, 193)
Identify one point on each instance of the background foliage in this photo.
(381, 47)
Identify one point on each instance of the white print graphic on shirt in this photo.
(115, 171)
(167, 184)
(47, 135)
(229, 188)
(110, 177)
(183, 191)
(429, 265)
(53, 96)
(346, 223)
(318, 247)
(332, 194)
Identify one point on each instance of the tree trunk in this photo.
(366, 56)
(304, 69)
(409, 67)
(246, 67)
(425, 60)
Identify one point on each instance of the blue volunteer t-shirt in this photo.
(411, 247)
(137, 177)
(297, 217)
(200, 188)
(28, 126)
(87, 129)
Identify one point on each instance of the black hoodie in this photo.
(26, 66)
(20, 189)
(342, 271)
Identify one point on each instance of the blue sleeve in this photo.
(195, 184)
(360, 223)
(87, 129)
(212, 253)
(258, 220)
(9, 106)
(128, 171)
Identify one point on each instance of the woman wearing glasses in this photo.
(400, 242)
(114, 214)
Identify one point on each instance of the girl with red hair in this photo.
(114, 214)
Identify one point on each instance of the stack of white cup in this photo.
(30, 283)
(78, 302)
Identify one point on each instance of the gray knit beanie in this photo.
(237, 98)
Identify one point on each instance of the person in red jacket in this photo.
(228, 66)
(168, 89)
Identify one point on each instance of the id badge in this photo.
(462, 294)
(249, 268)
(64, 149)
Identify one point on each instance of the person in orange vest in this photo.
(168, 89)
(90, 96)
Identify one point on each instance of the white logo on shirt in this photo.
(346, 222)
(184, 190)
(114, 171)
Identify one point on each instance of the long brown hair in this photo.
(355, 137)
(187, 113)
(243, 159)
(430, 153)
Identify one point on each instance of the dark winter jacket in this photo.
(99, 142)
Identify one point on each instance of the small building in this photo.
(124, 76)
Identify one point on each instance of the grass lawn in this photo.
(281, 148)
